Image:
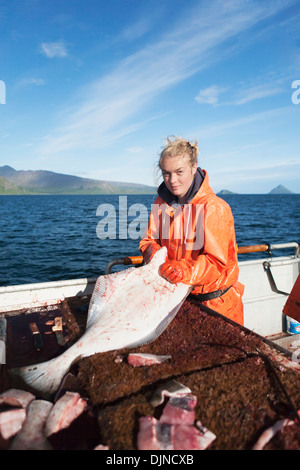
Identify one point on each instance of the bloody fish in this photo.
(127, 309)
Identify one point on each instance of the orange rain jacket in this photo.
(213, 265)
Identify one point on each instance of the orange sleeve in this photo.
(150, 242)
(216, 266)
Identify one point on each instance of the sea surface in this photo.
(49, 238)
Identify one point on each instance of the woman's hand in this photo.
(173, 271)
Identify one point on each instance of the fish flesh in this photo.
(270, 432)
(179, 410)
(143, 359)
(32, 435)
(101, 447)
(175, 429)
(11, 422)
(64, 412)
(127, 309)
(155, 435)
(17, 398)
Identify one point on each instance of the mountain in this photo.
(6, 187)
(224, 192)
(49, 182)
(280, 190)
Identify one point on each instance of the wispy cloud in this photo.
(32, 81)
(209, 95)
(54, 49)
(256, 92)
(259, 171)
(239, 96)
(219, 128)
(110, 107)
(27, 83)
(135, 31)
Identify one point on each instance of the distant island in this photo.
(281, 190)
(48, 182)
(224, 192)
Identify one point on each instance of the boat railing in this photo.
(265, 247)
(269, 247)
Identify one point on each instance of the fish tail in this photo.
(43, 378)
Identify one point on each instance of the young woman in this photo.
(197, 227)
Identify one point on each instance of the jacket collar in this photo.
(201, 179)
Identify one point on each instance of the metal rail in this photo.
(266, 247)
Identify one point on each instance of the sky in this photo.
(93, 88)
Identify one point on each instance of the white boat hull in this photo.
(25, 296)
(262, 306)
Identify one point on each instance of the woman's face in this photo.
(178, 175)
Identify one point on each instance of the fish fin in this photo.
(103, 290)
(39, 377)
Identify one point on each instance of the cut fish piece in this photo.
(191, 438)
(175, 429)
(154, 435)
(11, 422)
(65, 410)
(101, 447)
(32, 435)
(270, 432)
(168, 389)
(180, 410)
(143, 359)
(17, 398)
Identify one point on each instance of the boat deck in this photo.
(241, 382)
(289, 343)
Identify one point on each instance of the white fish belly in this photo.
(130, 308)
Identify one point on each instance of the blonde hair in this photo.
(177, 146)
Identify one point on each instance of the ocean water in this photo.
(49, 238)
